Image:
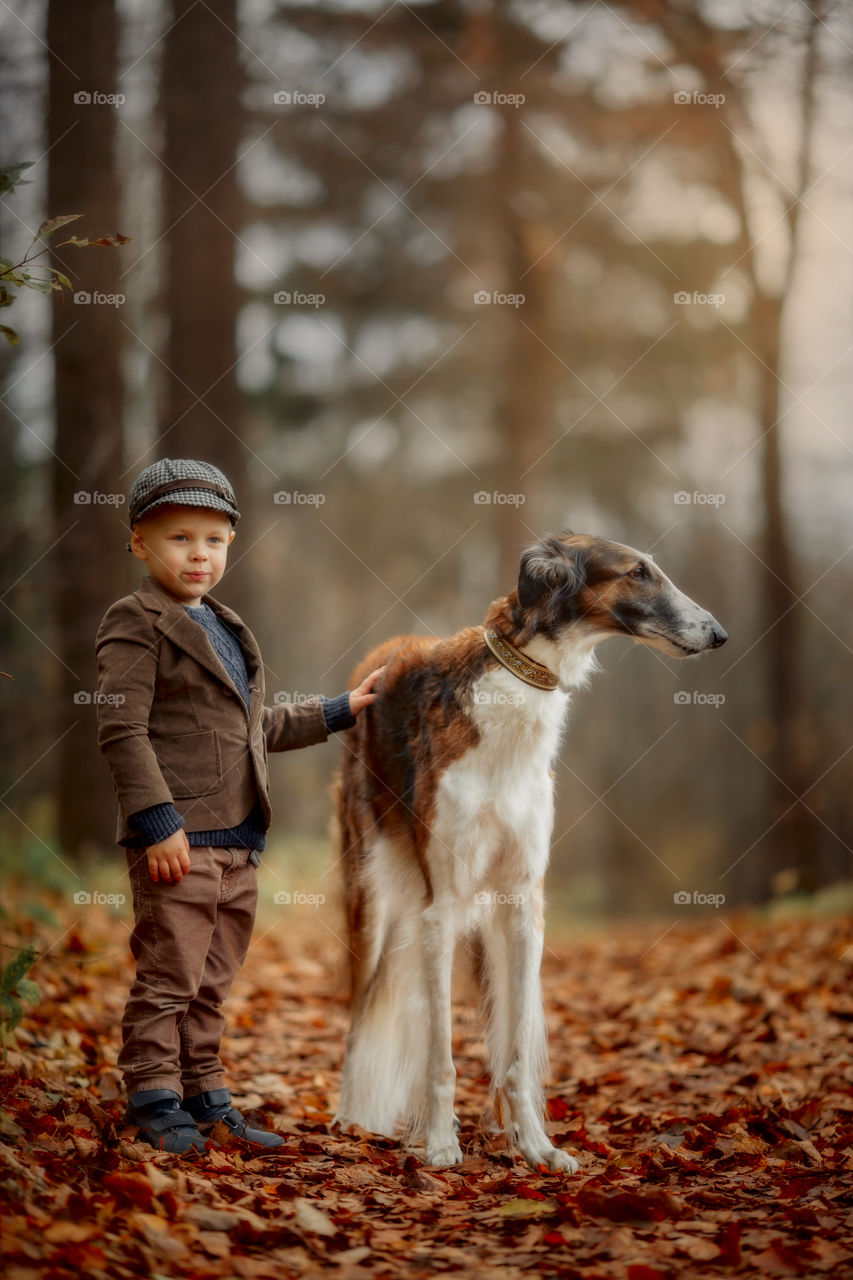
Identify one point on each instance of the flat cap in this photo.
(184, 482)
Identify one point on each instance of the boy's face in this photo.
(185, 549)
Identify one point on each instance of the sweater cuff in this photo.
(337, 714)
(157, 822)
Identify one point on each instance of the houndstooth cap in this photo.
(181, 481)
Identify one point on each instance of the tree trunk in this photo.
(793, 838)
(203, 215)
(796, 842)
(798, 838)
(88, 556)
(529, 371)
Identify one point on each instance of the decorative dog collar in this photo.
(518, 663)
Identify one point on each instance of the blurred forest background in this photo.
(427, 280)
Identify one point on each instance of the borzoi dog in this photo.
(444, 812)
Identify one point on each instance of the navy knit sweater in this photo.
(162, 820)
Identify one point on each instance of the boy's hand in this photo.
(169, 859)
(362, 697)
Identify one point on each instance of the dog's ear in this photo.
(549, 566)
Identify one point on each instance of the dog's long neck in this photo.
(571, 657)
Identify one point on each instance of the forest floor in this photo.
(701, 1073)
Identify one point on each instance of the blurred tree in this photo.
(500, 50)
(797, 837)
(201, 109)
(696, 42)
(401, 197)
(87, 539)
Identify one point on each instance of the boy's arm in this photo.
(286, 726)
(127, 671)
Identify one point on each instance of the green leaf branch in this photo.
(15, 276)
(16, 987)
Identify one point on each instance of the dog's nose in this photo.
(719, 636)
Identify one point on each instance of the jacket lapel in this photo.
(174, 622)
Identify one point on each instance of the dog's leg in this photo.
(528, 1052)
(442, 1145)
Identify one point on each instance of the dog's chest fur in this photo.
(494, 805)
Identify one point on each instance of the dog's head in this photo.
(602, 588)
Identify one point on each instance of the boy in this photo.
(182, 723)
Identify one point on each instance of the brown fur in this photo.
(394, 758)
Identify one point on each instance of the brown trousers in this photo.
(189, 941)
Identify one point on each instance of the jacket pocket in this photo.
(190, 763)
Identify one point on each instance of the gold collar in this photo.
(518, 663)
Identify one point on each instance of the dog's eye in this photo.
(639, 571)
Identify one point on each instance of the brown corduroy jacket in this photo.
(171, 722)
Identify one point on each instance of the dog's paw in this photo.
(443, 1154)
(561, 1162)
(553, 1158)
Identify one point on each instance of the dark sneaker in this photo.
(215, 1107)
(163, 1123)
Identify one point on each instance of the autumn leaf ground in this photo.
(701, 1072)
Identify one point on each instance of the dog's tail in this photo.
(384, 1078)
